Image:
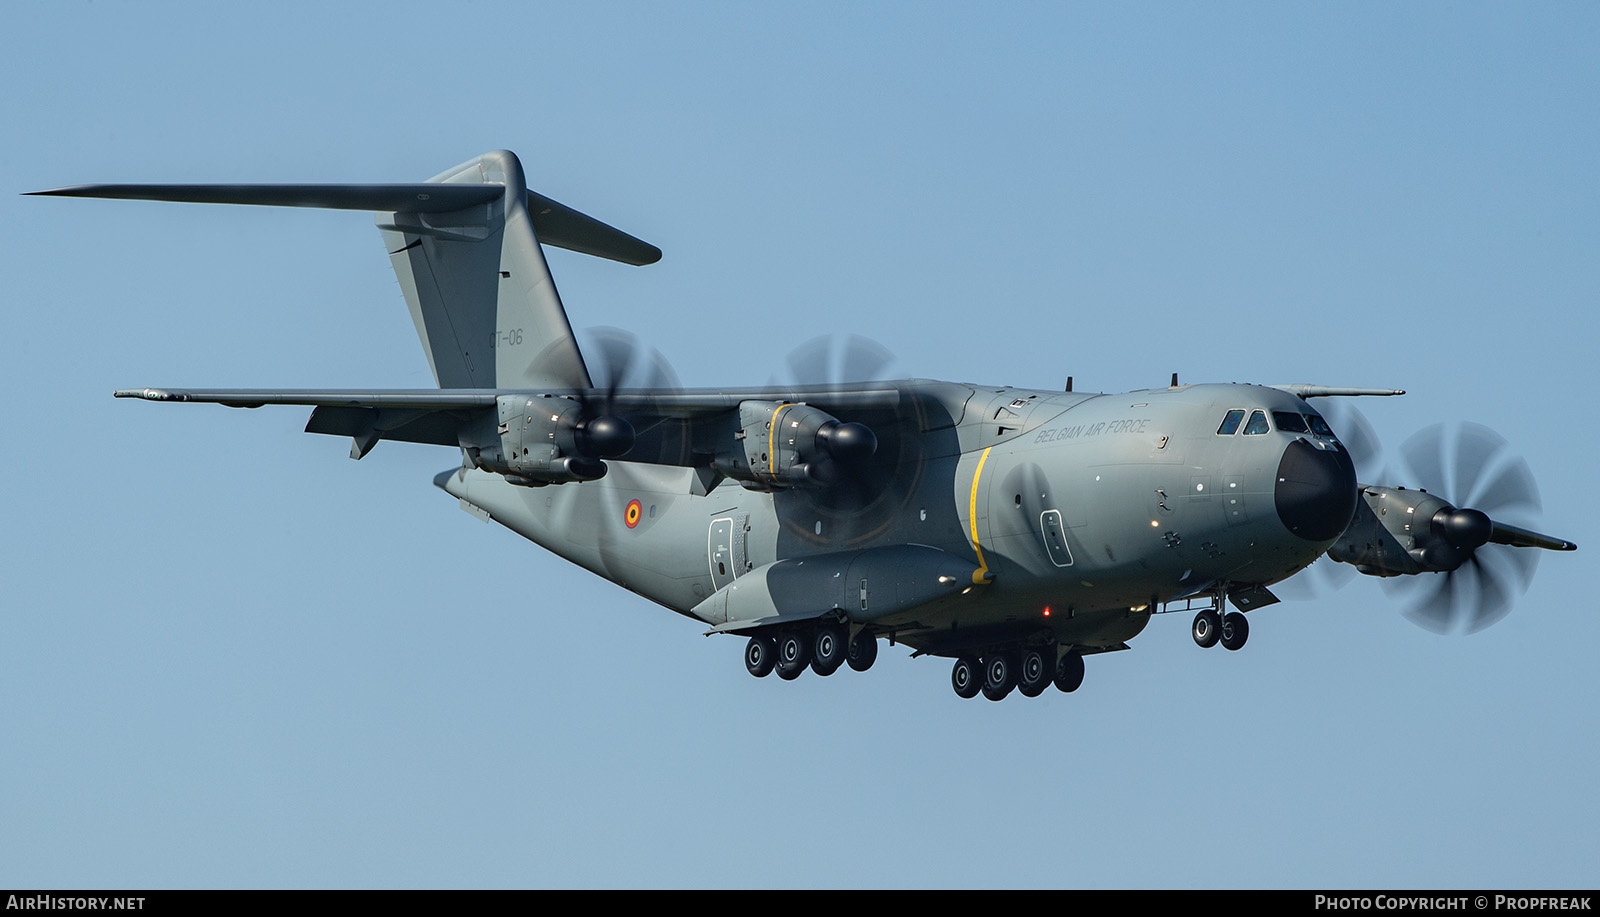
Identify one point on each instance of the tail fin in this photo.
(479, 289)
(465, 246)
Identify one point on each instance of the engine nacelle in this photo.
(543, 439)
(1398, 532)
(780, 444)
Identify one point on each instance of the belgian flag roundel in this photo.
(631, 514)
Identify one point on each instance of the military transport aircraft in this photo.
(1015, 531)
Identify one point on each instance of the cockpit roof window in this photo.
(1290, 423)
(1257, 424)
(1230, 424)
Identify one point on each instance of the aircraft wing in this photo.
(421, 398)
(672, 425)
(367, 416)
(642, 404)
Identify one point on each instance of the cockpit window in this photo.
(1230, 424)
(1318, 425)
(1257, 424)
(1290, 423)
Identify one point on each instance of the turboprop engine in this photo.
(1397, 532)
(544, 439)
(781, 444)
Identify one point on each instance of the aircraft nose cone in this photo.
(1316, 491)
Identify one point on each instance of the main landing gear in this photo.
(1027, 668)
(1209, 628)
(822, 646)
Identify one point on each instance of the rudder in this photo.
(479, 289)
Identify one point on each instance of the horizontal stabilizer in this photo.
(554, 222)
(418, 197)
(561, 226)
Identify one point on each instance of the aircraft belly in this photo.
(951, 628)
(865, 586)
(589, 525)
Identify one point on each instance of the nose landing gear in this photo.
(1231, 629)
(1235, 630)
(1211, 626)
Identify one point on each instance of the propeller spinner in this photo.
(619, 361)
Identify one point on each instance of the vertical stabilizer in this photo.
(479, 289)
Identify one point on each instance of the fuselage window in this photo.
(1290, 423)
(1257, 424)
(1318, 425)
(1230, 424)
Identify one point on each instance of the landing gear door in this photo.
(719, 545)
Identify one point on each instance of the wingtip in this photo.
(149, 394)
(1325, 391)
(65, 191)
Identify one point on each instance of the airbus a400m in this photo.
(1014, 531)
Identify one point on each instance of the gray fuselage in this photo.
(1078, 513)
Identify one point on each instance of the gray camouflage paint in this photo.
(986, 518)
(1153, 505)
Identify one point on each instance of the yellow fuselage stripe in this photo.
(980, 575)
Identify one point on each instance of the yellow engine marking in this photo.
(772, 440)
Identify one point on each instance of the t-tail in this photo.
(466, 248)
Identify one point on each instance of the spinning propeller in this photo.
(617, 361)
(830, 361)
(1481, 570)
(1456, 565)
(1356, 433)
(867, 458)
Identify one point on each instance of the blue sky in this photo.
(229, 656)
